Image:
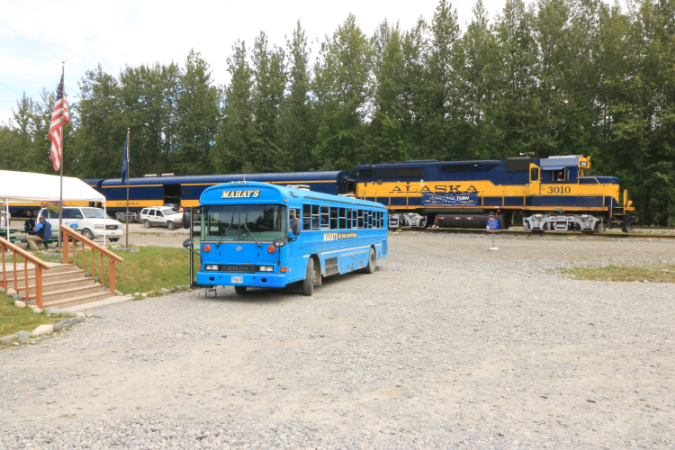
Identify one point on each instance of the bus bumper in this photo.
(247, 279)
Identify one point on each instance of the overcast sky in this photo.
(35, 36)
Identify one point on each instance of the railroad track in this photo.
(546, 234)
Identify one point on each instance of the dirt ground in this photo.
(447, 345)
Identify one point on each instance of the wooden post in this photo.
(74, 244)
(93, 262)
(112, 276)
(25, 276)
(65, 249)
(4, 270)
(38, 286)
(102, 271)
(16, 286)
(83, 268)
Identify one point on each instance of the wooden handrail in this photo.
(69, 232)
(38, 264)
(24, 254)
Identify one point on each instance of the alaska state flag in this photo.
(125, 161)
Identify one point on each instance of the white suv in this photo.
(91, 222)
(161, 216)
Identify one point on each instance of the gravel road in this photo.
(447, 345)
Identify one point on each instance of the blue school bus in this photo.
(256, 234)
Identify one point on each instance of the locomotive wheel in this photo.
(430, 220)
(240, 289)
(308, 282)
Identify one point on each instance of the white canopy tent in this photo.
(24, 187)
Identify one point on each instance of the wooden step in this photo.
(55, 271)
(54, 286)
(51, 278)
(71, 293)
(72, 301)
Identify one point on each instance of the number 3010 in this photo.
(559, 190)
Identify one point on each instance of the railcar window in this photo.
(360, 218)
(383, 173)
(366, 173)
(187, 191)
(316, 217)
(325, 218)
(306, 217)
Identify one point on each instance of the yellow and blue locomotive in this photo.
(550, 193)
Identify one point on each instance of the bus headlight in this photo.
(211, 267)
(265, 268)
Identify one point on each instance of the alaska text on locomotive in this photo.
(338, 236)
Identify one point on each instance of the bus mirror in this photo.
(279, 242)
(187, 243)
(296, 226)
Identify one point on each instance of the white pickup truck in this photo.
(91, 222)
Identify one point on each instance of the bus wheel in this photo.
(308, 282)
(240, 289)
(371, 263)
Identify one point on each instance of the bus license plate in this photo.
(237, 279)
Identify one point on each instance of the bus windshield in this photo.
(243, 222)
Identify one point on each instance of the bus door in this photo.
(195, 221)
(172, 195)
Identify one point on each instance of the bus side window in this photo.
(306, 217)
(325, 218)
(379, 219)
(370, 219)
(360, 218)
(342, 225)
(333, 218)
(355, 223)
(316, 217)
(349, 219)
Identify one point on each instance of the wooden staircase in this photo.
(63, 285)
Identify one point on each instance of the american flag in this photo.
(56, 127)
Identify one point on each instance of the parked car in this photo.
(4, 217)
(161, 216)
(91, 222)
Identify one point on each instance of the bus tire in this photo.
(240, 289)
(308, 282)
(370, 268)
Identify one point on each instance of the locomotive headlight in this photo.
(265, 268)
(213, 267)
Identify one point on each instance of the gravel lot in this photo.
(446, 346)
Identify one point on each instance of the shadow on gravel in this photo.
(276, 295)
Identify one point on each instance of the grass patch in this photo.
(151, 269)
(13, 319)
(663, 273)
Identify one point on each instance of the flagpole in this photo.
(63, 130)
(128, 173)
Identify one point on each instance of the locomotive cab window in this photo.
(534, 174)
(560, 176)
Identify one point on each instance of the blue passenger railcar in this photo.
(261, 235)
(186, 190)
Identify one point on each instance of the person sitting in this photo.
(43, 231)
(560, 176)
